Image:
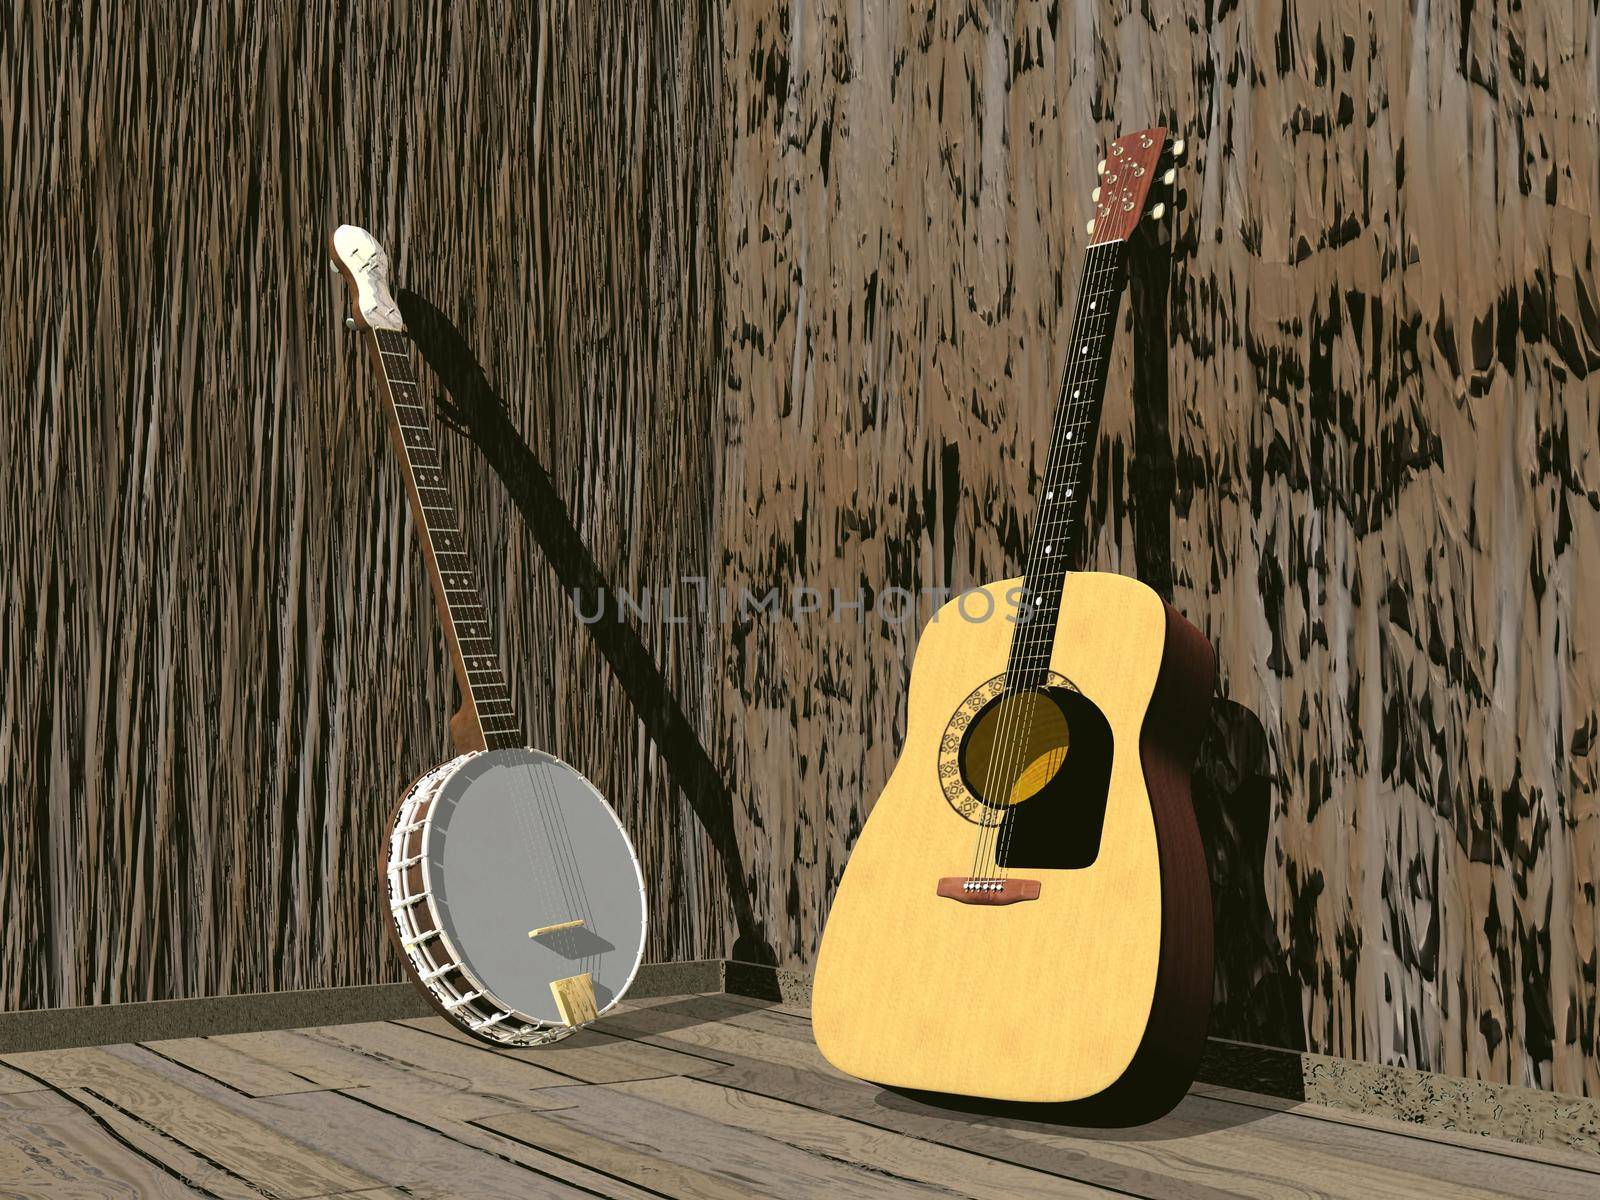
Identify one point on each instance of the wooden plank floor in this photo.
(708, 1096)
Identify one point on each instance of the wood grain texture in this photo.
(773, 293)
(761, 1114)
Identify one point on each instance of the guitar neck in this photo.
(487, 719)
(1058, 527)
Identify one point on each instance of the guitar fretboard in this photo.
(455, 579)
(1058, 525)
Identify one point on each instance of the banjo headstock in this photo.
(365, 267)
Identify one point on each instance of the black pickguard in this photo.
(1059, 828)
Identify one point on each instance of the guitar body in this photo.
(1100, 986)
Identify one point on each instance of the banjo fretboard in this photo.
(455, 580)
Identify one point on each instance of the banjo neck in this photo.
(487, 719)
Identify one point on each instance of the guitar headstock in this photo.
(1129, 173)
(365, 267)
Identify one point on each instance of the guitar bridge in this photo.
(988, 891)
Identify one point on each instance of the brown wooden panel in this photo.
(1352, 435)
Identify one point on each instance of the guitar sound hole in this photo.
(1014, 748)
(1039, 762)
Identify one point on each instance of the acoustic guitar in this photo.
(1026, 914)
(514, 894)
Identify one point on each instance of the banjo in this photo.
(515, 897)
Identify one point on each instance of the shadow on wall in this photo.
(471, 406)
(1256, 996)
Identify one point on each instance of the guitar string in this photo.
(1000, 744)
(1034, 655)
(1071, 411)
(1004, 717)
(1080, 374)
(1061, 524)
(1013, 725)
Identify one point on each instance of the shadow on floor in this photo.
(678, 1014)
(471, 406)
(1080, 1118)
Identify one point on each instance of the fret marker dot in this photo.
(1076, 392)
(1047, 549)
(1038, 600)
(1069, 435)
(1091, 304)
(1085, 350)
(1049, 495)
(1069, 491)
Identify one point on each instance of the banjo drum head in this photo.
(517, 841)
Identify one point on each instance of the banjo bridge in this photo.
(544, 929)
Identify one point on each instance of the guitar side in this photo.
(1100, 986)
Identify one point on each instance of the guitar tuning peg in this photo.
(1101, 168)
(349, 322)
(1089, 228)
(1178, 148)
(1171, 177)
(1157, 211)
(1095, 195)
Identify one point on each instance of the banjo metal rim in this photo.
(434, 976)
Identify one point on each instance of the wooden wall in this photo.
(221, 663)
(771, 295)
